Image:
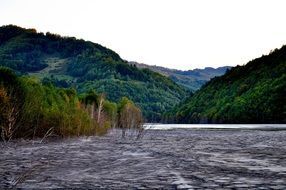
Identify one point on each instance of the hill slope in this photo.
(69, 62)
(254, 93)
(191, 79)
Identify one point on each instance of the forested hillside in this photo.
(253, 93)
(69, 62)
(30, 109)
(191, 79)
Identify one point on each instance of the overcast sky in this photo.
(182, 34)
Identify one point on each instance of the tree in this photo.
(100, 101)
(110, 110)
(130, 117)
(91, 99)
(11, 103)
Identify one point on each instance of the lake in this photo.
(181, 157)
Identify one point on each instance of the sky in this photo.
(180, 34)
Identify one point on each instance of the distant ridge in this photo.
(191, 79)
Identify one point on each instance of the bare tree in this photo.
(130, 118)
(10, 113)
(100, 109)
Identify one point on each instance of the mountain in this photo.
(253, 93)
(191, 79)
(70, 62)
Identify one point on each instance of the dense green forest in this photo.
(253, 93)
(30, 109)
(70, 62)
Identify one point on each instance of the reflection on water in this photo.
(215, 126)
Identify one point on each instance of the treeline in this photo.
(30, 109)
(253, 93)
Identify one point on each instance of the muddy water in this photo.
(163, 159)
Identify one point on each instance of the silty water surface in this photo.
(163, 159)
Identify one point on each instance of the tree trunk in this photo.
(100, 106)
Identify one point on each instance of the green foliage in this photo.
(46, 107)
(122, 103)
(30, 109)
(90, 97)
(254, 93)
(110, 108)
(69, 62)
